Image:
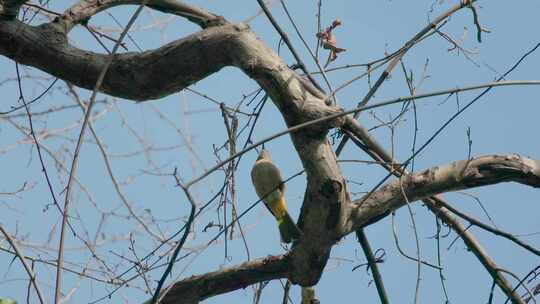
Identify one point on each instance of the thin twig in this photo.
(439, 259)
(232, 133)
(403, 253)
(417, 242)
(495, 231)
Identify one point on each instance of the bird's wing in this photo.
(266, 178)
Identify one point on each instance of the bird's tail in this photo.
(288, 229)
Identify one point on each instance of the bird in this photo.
(269, 186)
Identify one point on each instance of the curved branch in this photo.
(197, 288)
(326, 214)
(464, 174)
(83, 10)
(137, 76)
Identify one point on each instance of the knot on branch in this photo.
(330, 188)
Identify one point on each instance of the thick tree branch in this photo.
(464, 174)
(197, 288)
(137, 76)
(83, 10)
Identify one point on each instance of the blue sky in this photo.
(503, 121)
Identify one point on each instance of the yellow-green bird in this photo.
(270, 188)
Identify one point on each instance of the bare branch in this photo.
(436, 204)
(175, 66)
(198, 288)
(136, 76)
(493, 230)
(464, 174)
(82, 11)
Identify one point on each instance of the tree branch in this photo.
(137, 76)
(464, 174)
(479, 171)
(200, 287)
(83, 10)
